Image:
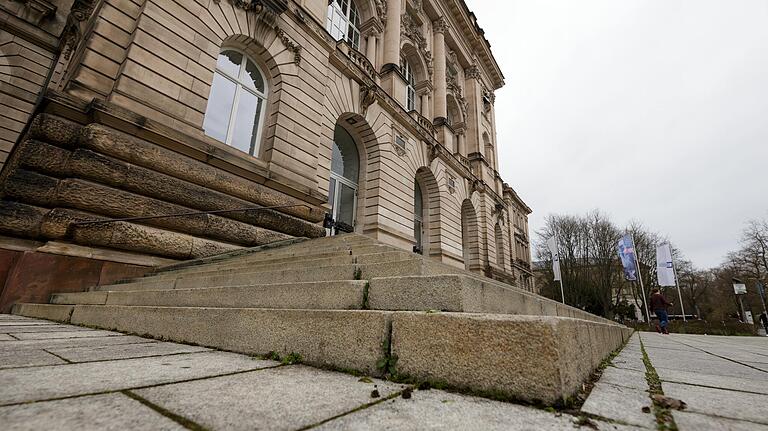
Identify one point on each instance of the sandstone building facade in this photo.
(379, 113)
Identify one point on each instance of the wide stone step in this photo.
(258, 259)
(288, 263)
(530, 358)
(463, 293)
(413, 266)
(329, 295)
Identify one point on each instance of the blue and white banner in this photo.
(665, 269)
(761, 290)
(627, 255)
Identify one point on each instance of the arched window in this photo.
(343, 22)
(410, 83)
(236, 103)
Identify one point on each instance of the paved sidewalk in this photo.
(61, 377)
(723, 380)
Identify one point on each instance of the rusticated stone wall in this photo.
(65, 174)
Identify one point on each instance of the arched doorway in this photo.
(469, 234)
(418, 219)
(499, 234)
(345, 175)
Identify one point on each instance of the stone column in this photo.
(461, 145)
(439, 27)
(392, 33)
(370, 49)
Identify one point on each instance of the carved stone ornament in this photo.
(367, 98)
(381, 10)
(411, 30)
(290, 45)
(267, 12)
(472, 72)
(81, 10)
(35, 11)
(440, 25)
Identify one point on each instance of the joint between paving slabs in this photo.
(664, 418)
(196, 379)
(355, 410)
(60, 357)
(181, 420)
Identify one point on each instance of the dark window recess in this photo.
(400, 141)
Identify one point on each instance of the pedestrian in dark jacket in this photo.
(659, 306)
(764, 321)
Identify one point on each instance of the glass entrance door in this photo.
(342, 191)
(418, 219)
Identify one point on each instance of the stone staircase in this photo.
(351, 303)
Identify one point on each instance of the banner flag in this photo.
(552, 244)
(627, 255)
(761, 290)
(665, 269)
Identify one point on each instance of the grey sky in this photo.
(655, 110)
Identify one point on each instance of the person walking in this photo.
(659, 306)
(764, 321)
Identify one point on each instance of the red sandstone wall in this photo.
(32, 276)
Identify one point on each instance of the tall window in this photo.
(418, 218)
(236, 103)
(343, 22)
(345, 172)
(410, 82)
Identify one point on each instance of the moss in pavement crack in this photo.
(664, 419)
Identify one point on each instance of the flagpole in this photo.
(640, 277)
(677, 282)
(562, 291)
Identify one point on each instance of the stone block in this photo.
(522, 357)
(344, 339)
(57, 313)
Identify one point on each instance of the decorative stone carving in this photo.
(266, 12)
(35, 11)
(290, 45)
(381, 10)
(80, 12)
(472, 72)
(367, 98)
(411, 30)
(440, 25)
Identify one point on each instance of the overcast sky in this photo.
(655, 110)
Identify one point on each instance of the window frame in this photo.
(336, 9)
(240, 86)
(410, 84)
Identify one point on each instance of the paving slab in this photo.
(719, 402)
(15, 344)
(4, 323)
(714, 381)
(123, 351)
(27, 358)
(704, 363)
(687, 421)
(98, 412)
(65, 334)
(438, 410)
(44, 383)
(285, 398)
(620, 404)
(11, 329)
(6, 337)
(631, 379)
